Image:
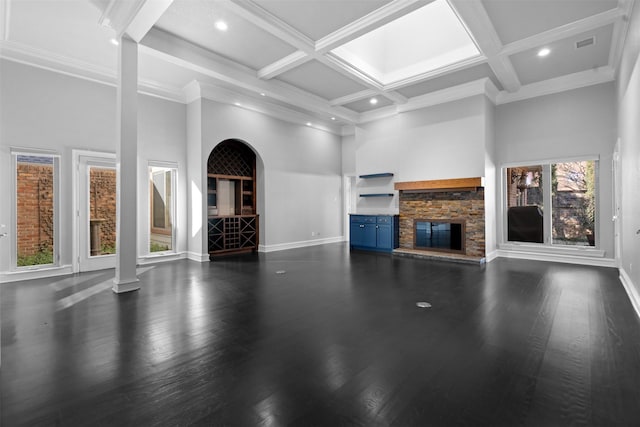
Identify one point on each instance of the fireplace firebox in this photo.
(439, 235)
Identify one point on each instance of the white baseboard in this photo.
(198, 257)
(558, 257)
(301, 244)
(491, 256)
(35, 273)
(631, 290)
(153, 259)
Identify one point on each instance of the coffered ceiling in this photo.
(325, 61)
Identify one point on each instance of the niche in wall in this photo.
(231, 199)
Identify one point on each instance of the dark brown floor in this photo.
(335, 340)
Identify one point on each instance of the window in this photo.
(552, 203)
(162, 208)
(35, 209)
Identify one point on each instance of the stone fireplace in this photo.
(434, 213)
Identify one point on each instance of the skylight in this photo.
(424, 40)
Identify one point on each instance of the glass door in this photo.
(96, 212)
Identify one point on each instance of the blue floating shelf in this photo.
(377, 195)
(377, 175)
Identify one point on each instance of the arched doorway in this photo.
(231, 199)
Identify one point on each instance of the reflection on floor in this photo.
(322, 336)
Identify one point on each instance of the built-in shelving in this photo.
(377, 195)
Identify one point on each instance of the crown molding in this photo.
(230, 97)
(559, 84)
(60, 64)
(620, 31)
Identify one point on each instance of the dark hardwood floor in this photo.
(337, 339)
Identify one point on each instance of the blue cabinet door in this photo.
(369, 236)
(356, 234)
(384, 237)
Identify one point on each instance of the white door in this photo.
(96, 210)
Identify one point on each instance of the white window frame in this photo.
(15, 152)
(547, 246)
(173, 208)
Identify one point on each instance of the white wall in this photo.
(628, 100)
(490, 178)
(444, 141)
(576, 123)
(300, 173)
(46, 110)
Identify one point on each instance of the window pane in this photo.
(573, 203)
(161, 209)
(35, 210)
(525, 204)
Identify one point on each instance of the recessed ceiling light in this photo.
(544, 51)
(238, 104)
(222, 26)
(114, 41)
(333, 118)
(308, 123)
(373, 101)
(262, 94)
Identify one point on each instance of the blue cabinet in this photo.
(373, 232)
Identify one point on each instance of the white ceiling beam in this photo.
(377, 18)
(620, 30)
(133, 17)
(182, 53)
(394, 96)
(363, 94)
(477, 21)
(564, 31)
(283, 65)
(559, 84)
(270, 23)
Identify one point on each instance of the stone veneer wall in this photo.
(445, 205)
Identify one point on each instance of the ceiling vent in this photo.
(585, 42)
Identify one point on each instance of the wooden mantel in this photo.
(440, 184)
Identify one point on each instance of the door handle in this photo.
(3, 234)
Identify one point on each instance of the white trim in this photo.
(300, 244)
(620, 32)
(283, 65)
(162, 257)
(568, 259)
(629, 286)
(27, 55)
(197, 257)
(39, 273)
(491, 256)
(541, 162)
(564, 31)
(559, 84)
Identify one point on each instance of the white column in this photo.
(126, 165)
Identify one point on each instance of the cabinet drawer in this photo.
(364, 219)
(384, 220)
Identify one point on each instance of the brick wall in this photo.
(34, 208)
(445, 205)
